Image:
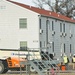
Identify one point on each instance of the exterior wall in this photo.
(10, 33)
(55, 36)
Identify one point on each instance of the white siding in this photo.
(10, 33)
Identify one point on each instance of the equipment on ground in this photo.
(10, 62)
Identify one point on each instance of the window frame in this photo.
(23, 23)
(22, 47)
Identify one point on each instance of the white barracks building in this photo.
(24, 26)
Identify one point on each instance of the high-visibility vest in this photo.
(73, 59)
(65, 59)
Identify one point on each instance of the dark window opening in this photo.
(63, 27)
(53, 46)
(47, 23)
(60, 27)
(52, 25)
(70, 48)
(40, 44)
(64, 48)
(40, 23)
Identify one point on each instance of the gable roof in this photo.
(44, 12)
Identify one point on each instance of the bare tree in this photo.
(64, 7)
(39, 3)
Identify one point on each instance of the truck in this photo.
(10, 60)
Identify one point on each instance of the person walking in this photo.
(73, 61)
(66, 61)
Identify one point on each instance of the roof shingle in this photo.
(44, 12)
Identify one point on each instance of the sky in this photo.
(28, 2)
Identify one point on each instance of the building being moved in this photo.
(23, 26)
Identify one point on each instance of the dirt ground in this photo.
(37, 74)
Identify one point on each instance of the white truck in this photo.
(10, 59)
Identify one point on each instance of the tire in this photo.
(5, 71)
(1, 68)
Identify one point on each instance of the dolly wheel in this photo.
(1, 68)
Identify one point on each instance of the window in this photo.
(64, 48)
(40, 23)
(60, 27)
(40, 44)
(52, 25)
(23, 23)
(47, 23)
(53, 46)
(23, 45)
(63, 27)
(70, 48)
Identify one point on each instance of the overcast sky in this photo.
(28, 2)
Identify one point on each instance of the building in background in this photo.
(23, 26)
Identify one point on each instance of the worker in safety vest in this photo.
(73, 60)
(66, 61)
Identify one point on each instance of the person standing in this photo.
(66, 61)
(73, 61)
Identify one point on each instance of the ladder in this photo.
(41, 66)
